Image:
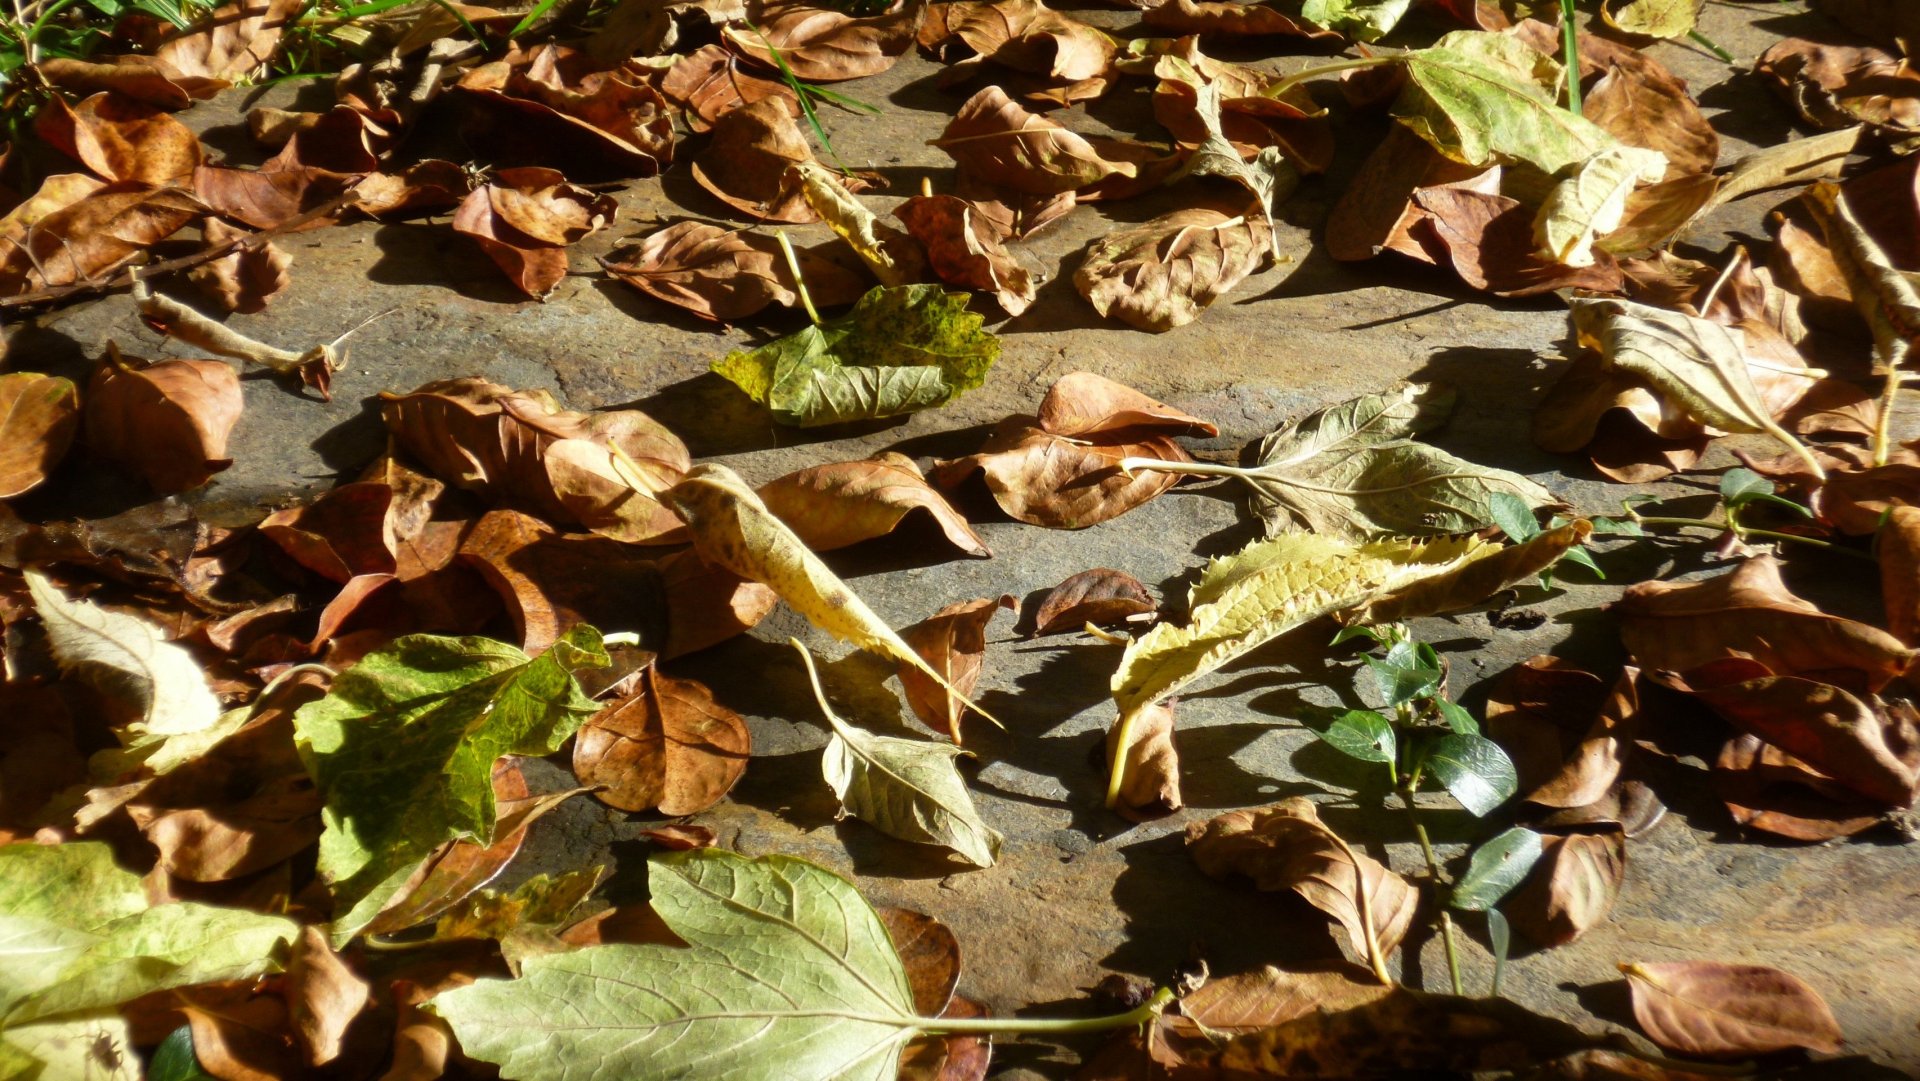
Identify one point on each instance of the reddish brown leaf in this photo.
(668, 745)
(1641, 103)
(746, 161)
(422, 1041)
(1571, 888)
(728, 274)
(525, 218)
(1061, 468)
(1376, 213)
(234, 41)
(241, 280)
(75, 229)
(709, 83)
(1151, 785)
(39, 415)
(832, 506)
(929, 952)
(822, 45)
(678, 837)
(1101, 596)
(1024, 35)
(996, 139)
(1163, 273)
(166, 421)
(147, 79)
(1489, 238)
(953, 642)
(1227, 18)
(121, 139)
(1567, 740)
(558, 107)
(1720, 1010)
(964, 249)
(1286, 846)
(1013, 215)
(344, 533)
(549, 581)
(323, 995)
(1899, 546)
(241, 1035)
(707, 605)
(948, 1058)
(1768, 789)
(1838, 85)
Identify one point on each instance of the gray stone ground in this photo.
(1079, 893)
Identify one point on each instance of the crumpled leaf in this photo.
(732, 528)
(964, 248)
(1567, 733)
(1767, 789)
(1227, 18)
(745, 163)
(1492, 242)
(1024, 35)
(823, 45)
(711, 82)
(120, 139)
(75, 230)
(901, 349)
(1572, 888)
(841, 503)
(1285, 846)
(1484, 98)
(996, 139)
(1163, 273)
(894, 258)
(1591, 203)
(1886, 297)
(905, 788)
(147, 79)
(728, 274)
(39, 415)
(525, 218)
(1721, 1010)
(168, 421)
(695, 1011)
(403, 747)
(234, 41)
(1061, 469)
(1361, 20)
(668, 745)
(1149, 764)
(556, 106)
(243, 280)
(1101, 596)
(953, 641)
(523, 448)
(1838, 84)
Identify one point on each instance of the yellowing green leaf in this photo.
(901, 349)
(889, 253)
(1361, 20)
(1484, 98)
(403, 746)
(1590, 203)
(1653, 18)
(732, 528)
(906, 788)
(90, 1045)
(788, 972)
(126, 658)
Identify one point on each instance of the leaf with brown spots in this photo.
(832, 506)
(525, 218)
(728, 274)
(667, 746)
(1571, 888)
(39, 415)
(1061, 468)
(953, 642)
(1163, 273)
(121, 139)
(1719, 1010)
(964, 249)
(822, 45)
(1102, 597)
(166, 421)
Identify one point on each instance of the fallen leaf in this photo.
(929, 952)
(668, 745)
(1899, 551)
(745, 163)
(727, 274)
(556, 106)
(1163, 273)
(147, 79)
(710, 82)
(1566, 732)
(524, 219)
(1652, 18)
(1571, 889)
(83, 231)
(905, 788)
(832, 506)
(244, 279)
(121, 140)
(894, 258)
(1227, 18)
(679, 838)
(1492, 242)
(953, 642)
(996, 139)
(1149, 764)
(1484, 98)
(1061, 468)
(422, 1041)
(1592, 202)
(1101, 596)
(707, 604)
(550, 581)
(1285, 846)
(1641, 103)
(823, 45)
(1023, 35)
(1767, 789)
(901, 349)
(1246, 117)
(323, 995)
(1886, 297)
(1720, 1010)
(964, 248)
(232, 42)
(39, 415)
(1837, 85)
(733, 528)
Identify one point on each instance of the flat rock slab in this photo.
(1079, 893)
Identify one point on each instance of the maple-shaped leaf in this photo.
(403, 748)
(901, 349)
(1485, 99)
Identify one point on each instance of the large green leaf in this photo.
(1362, 20)
(1475, 770)
(1487, 99)
(902, 348)
(403, 748)
(787, 973)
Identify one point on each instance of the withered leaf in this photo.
(1061, 468)
(323, 995)
(709, 83)
(996, 139)
(1639, 102)
(1101, 596)
(963, 248)
(167, 421)
(524, 219)
(1227, 18)
(1286, 846)
(822, 45)
(76, 231)
(1838, 85)
(1163, 273)
(708, 604)
(147, 79)
(557, 106)
(668, 745)
(233, 41)
(1572, 888)
(832, 506)
(894, 258)
(243, 280)
(1024, 35)
(1767, 789)
(550, 581)
(39, 415)
(746, 162)
(1887, 298)
(727, 274)
(953, 642)
(121, 139)
(1150, 770)
(929, 952)
(1489, 238)
(1899, 570)
(1720, 1010)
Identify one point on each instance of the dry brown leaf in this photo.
(243, 280)
(147, 79)
(1567, 736)
(746, 162)
(1899, 551)
(1856, 492)
(75, 230)
(1767, 789)
(551, 581)
(1571, 888)
(235, 41)
(997, 140)
(1227, 18)
(323, 995)
(121, 139)
(1024, 35)
(1286, 846)
(953, 642)
(1151, 788)
(963, 248)
(821, 45)
(1249, 117)
(1012, 215)
(709, 83)
(929, 952)
(668, 745)
(1835, 85)
(39, 415)
(1061, 468)
(524, 219)
(1101, 596)
(1376, 213)
(832, 506)
(728, 274)
(557, 106)
(1489, 239)
(240, 1034)
(958, 1057)
(166, 421)
(1749, 612)
(422, 1041)
(1719, 1010)
(345, 533)
(680, 837)
(523, 448)
(1641, 103)
(1163, 273)
(707, 604)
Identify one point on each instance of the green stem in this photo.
(1712, 46)
(1433, 871)
(1318, 70)
(799, 283)
(1140, 1015)
(1570, 44)
(1743, 532)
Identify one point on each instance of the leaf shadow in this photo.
(428, 253)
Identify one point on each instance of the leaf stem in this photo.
(1883, 424)
(799, 283)
(1570, 45)
(1318, 70)
(1139, 1015)
(1376, 957)
(1744, 532)
(1433, 871)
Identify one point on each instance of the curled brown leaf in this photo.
(167, 421)
(1571, 888)
(39, 415)
(1101, 596)
(953, 642)
(841, 503)
(668, 745)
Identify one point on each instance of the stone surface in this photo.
(1080, 893)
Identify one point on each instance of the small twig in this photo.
(799, 283)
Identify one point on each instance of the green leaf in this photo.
(1362, 734)
(1500, 939)
(1625, 527)
(1361, 20)
(1483, 99)
(902, 348)
(1582, 557)
(1495, 869)
(1514, 517)
(1401, 679)
(402, 749)
(906, 788)
(174, 1059)
(788, 972)
(1457, 717)
(1474, 769)
(77, 936)
(1740, 484)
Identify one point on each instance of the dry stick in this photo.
(126, 277)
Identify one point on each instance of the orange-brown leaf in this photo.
(953, 642)
(668, 745)
(1721, 1010)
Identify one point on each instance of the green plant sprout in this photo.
(805, 92)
